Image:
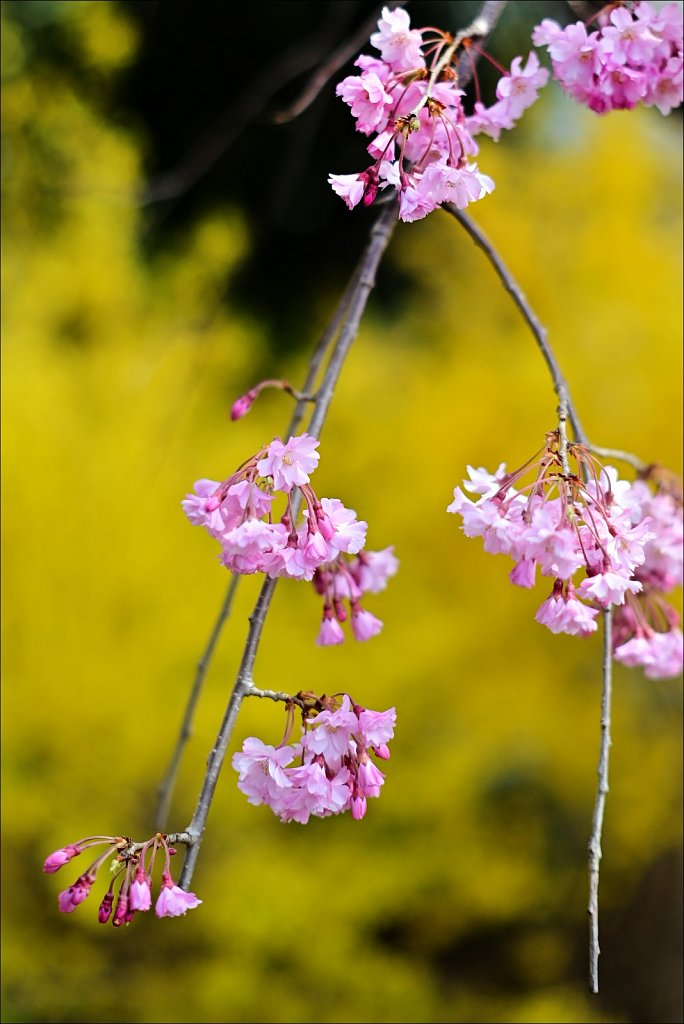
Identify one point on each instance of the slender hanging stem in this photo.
(600, 803)
(528, 314)
(166, 787)
(566, 409)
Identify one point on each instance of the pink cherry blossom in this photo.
(198, 510)
(140, 895)
(565, 614)
(608, 588)
(627, 541)
(335, 773)
(372, 569)
(105, 909)
(377, 727)
(261, 769)
(633, 57)
(520, 87)
(659, 654)
(290, 464)
(369, 102)
(350, 187)
(369, 779)
(399, 45)
(172, 900)
(358, 807)
(524, 573)
(349, 533)
(364, 624)
(330, 632)
(331, 732)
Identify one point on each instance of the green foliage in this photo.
(462, 895)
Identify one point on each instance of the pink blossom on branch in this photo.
(132, 866)
(634, 56)
(626, 539)
(424, 141)
(335, 773)
(326, 547)
(290, 464)
(172, 900)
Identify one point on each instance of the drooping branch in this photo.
(166, 787)
(355, 301)
(567, 410)
(327, 338)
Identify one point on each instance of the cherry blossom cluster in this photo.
(635, 56)
(130, 890)
(577, 515)
(334, 773)
(423, 141)
(646, 628)
(239, 514)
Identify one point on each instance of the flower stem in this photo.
(600, 803)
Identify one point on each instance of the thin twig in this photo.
(277, 695)
(165, 790)
(615, 453)
(355, 302)
(516, 293)
(211, 146)
(600, 804)
(324, 73)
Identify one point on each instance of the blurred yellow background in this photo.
(462, 895)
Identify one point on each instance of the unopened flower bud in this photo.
(325, 524)
(243, 404)
(358, 807)
(105, 911)
(59, 858)
(121, 912)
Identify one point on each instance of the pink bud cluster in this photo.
(635, 56)
(342, 580)
(423, 141)
(335, 771)
(239, 514)
(625, 540)
(130, 890)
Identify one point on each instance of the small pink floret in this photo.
(174, 901)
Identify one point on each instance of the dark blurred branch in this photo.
(211, 146)
(324, 73)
